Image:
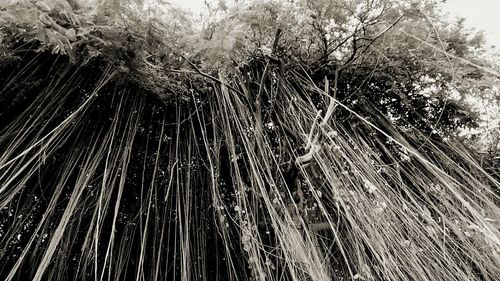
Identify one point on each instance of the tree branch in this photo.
(209, 76)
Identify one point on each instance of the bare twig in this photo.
(209, 76)
(276, 39)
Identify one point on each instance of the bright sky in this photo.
(480, 14)
(194, 5)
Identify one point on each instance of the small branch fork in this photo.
(312, 139)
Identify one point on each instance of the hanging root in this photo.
(102, 182)
(371, 205)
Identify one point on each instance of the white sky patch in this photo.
(479, 14)
(195, 6)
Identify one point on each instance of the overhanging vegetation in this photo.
(127, 151)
